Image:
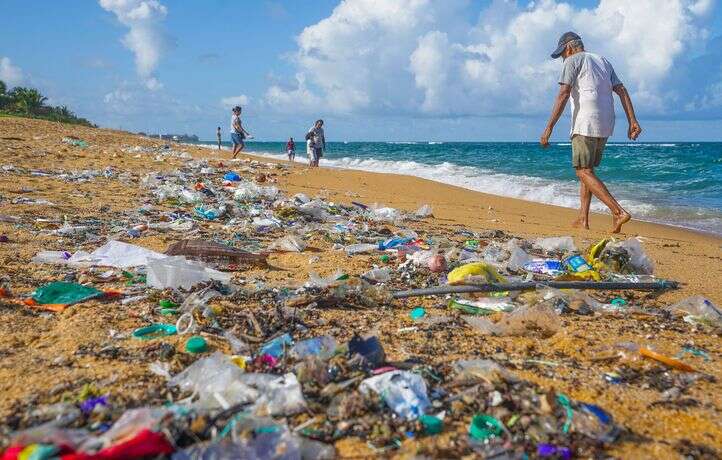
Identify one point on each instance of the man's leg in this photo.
(236, 150)
(597, 187)
(585, 200)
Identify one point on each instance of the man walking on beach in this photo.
(317, 143)
(590, 80)
(218, 135)
(237, 131)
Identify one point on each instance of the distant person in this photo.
(238, 134)
(317, 142)
(291, 150)
(590, 80)
(218, 135)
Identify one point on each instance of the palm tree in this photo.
(27, 100)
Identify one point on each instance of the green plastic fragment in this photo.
(154, 331)
(484, 427)
(431, 424)
(567, 405)
(165, 303)
(63, 293)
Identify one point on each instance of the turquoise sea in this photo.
(674, 183)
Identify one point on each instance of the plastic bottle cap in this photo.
(385, 258)
(154, 331)
(484, 427)
(165, 303)
(431, 424)
(417, 313)
(196, 344)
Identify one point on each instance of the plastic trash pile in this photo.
(257, 369)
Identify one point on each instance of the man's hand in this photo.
(634, 130)
(544, 140)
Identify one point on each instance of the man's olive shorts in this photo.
(587, 151)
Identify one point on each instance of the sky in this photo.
(464, 70)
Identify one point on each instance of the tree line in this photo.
(29, 102)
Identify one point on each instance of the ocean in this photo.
(673, 183)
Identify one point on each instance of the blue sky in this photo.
(373, 69)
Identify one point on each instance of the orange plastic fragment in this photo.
(666, 360)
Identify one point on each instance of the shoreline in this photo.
(270, 156)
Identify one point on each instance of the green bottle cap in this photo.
(165, 303)
(196, 344)
(385, 258)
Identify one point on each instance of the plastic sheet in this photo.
(557, 243)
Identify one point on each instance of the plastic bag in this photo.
(378, 275)
(384, 214)
(289, 243)
(699, 308)
(216, 382)
(473, 370)
(518, 257)
(524, 321)
(248, 191)
(280, 395)
(403, 392)
(424, 211)
(560, 243)
(177, 272)
(477, 270)
(636, 260)
(62, 293)
(323, 347)
(117, 254)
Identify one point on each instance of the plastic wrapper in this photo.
(424, 211)
(248, 191)
(474, 370)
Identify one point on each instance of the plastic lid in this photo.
(484, 427)
(431, 424)
(196, 344)
(417, 313)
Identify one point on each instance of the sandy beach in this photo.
(47, 356)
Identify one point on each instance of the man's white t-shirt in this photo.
(235, 118)
(592, 78)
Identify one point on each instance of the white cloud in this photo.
(233, 101)
(145, 37)
(12, 75)
(424, 57)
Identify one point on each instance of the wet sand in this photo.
(46, 357)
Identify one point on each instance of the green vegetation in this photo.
(29, 102)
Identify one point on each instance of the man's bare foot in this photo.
(579, 222)
(620, 220)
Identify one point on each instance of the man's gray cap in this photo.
(563, 40)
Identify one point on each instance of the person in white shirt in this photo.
(589, 79)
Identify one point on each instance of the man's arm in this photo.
(557, 110)
(634, 129)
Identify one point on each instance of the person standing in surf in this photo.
(317, 144)
(589, 79)
(238, 134)
(291, 150)
(218, 135)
